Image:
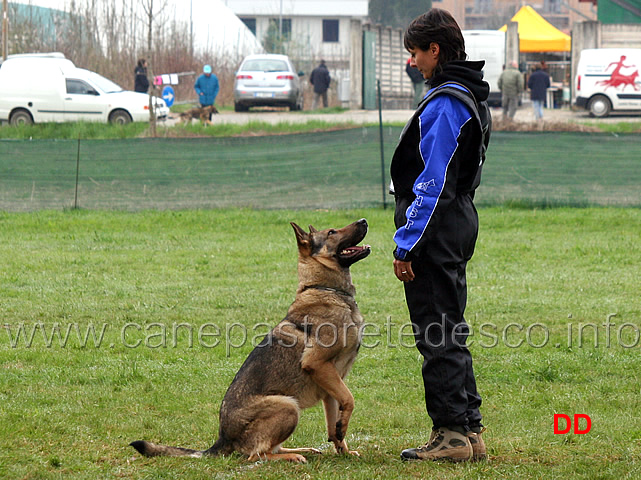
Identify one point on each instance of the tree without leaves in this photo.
(109, 36)
(274, 41)
(151, 14)
(397, 13)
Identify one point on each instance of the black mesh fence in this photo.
(337, 169)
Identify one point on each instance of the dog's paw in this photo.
(347, 451)
(296, 458)
(343, 449)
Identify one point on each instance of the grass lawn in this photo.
(122, 326)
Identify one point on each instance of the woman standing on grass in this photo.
(435, 170)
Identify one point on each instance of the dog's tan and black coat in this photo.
(303, 360)
(202, 113)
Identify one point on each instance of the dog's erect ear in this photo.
(312, 229)
(302, 237)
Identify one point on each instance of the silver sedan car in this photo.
(267, 80)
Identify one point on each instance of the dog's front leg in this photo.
(331, 419)
(326, 376)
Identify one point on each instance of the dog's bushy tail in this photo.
(149, 449)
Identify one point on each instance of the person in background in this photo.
(538, 83)
(320, 79)
(207, 87)
(511, 85)
(435, 171)
(417, 81)
(141, 82)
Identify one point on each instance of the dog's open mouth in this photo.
(350, 255)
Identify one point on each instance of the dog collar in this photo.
(328, 289)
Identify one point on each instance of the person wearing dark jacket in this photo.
(538, 83)
(417, 81)
(320, 79)
(141, 82)
(435, 170)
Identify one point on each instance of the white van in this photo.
(48, 87)
(488, 45)
(608, 79)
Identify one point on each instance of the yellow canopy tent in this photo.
(537, 35)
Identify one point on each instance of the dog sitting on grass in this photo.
(303, 360)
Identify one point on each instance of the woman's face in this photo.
(425, 60)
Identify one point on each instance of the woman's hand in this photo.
(403, 270)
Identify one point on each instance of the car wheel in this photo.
(21, 117)
(600, 106)
(298, 105)
(119, 117)
(239, 107)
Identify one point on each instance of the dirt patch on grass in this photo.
(500, 125)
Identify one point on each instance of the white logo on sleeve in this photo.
(423, 186)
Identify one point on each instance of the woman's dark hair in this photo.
(436, 26)
(141, 62)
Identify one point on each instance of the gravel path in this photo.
(524, 114)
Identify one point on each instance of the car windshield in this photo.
(103, 83)
(265, 66)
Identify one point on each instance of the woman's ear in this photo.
(435, 48)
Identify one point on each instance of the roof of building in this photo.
(306, 8)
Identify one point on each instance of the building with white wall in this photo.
(311, 29)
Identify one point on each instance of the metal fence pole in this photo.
(75, 199)
(380, 134)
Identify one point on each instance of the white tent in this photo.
(216, 29)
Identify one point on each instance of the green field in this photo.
(176, 299)
(331, 169)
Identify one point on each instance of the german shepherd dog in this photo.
(203, 113)
(302, 360)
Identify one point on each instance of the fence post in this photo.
(380, 134)
(75, 199)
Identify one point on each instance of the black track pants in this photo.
(436, 299)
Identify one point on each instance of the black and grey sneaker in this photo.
(444, 444)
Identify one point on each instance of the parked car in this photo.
(608, 80)
(50, 88)
(267, 80)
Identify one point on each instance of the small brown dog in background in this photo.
(203, 113)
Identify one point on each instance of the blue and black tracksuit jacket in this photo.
(440, 155)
